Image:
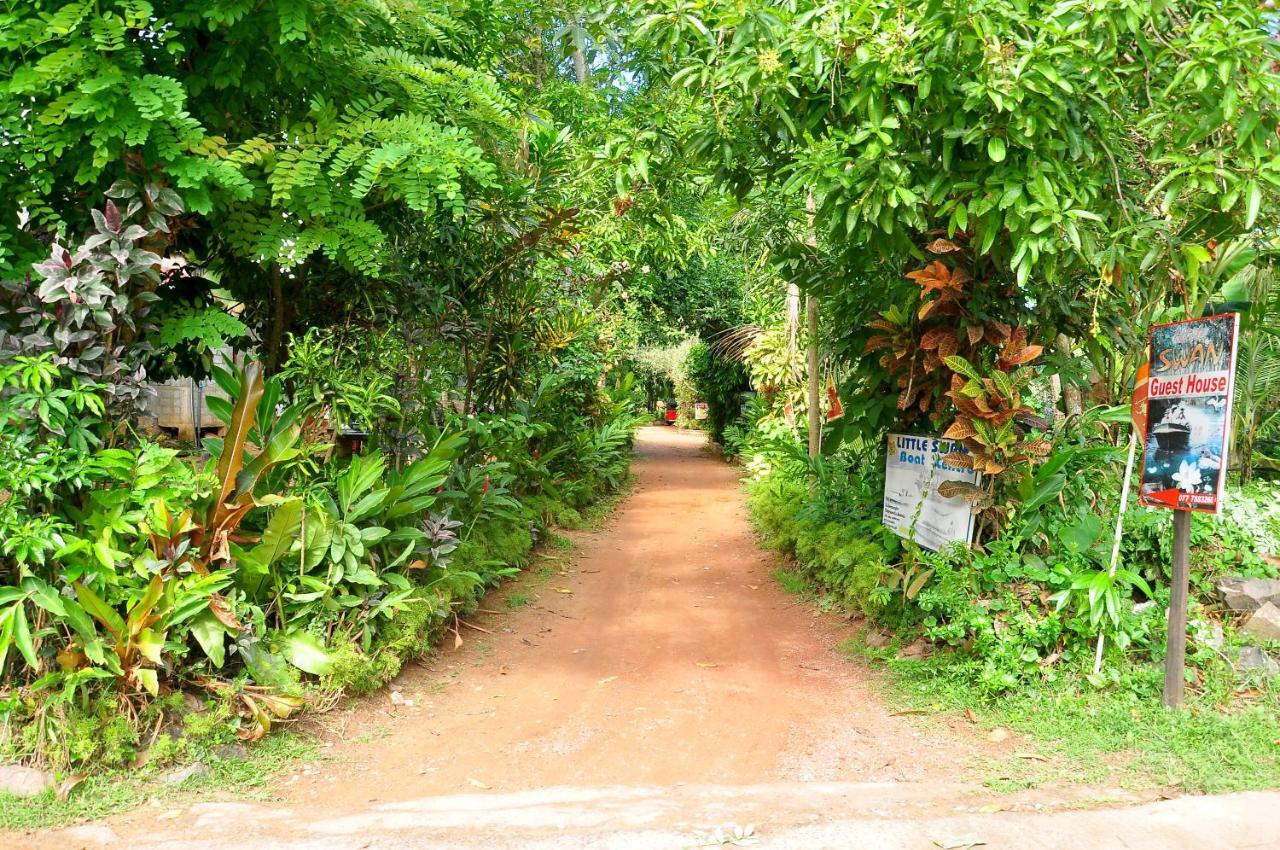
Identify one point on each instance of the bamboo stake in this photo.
(1115, 546)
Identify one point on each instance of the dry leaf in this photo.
(63, 791)
(754, 586)
(960, 843)
(970, 716)
(481, 785)
(706, 664)
(993, 808)
(1031, 756)
(170, 815)
(606, 680)
(563, 590)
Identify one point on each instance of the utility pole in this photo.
(815, 416)
(811, 317)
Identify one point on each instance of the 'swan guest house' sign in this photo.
(1189, 413)
(914, 467)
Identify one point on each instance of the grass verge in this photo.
(1224, 739)
(250, 777)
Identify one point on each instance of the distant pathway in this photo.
(659, 687)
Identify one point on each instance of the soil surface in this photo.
(655, 688)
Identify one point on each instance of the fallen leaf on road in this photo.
(754, 586)
(993, 808)
(959, 843)
(176, 813)
(1032, 756)
(706, 664)
(998, 734)
(970, 716)
(481, 785)
(563, 590)
(606, 680)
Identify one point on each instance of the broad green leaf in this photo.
(279, 534)
(148, 679)
(150, 644)
(210, 634)
(305, 651)
(22, 636)
(99, 610)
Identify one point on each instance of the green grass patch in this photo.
(518, 599)
(119, 791)
(1220, 741)
(793, 582)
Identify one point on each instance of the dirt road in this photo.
(658, 689)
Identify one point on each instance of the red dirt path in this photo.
(660, 685)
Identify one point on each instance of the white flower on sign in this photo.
(1187, 477)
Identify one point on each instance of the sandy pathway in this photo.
(660, 686)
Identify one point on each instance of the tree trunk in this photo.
(275, 331)
(579, 58)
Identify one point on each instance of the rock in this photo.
(1264, 623)
(231, 752)
(915, 650)
(877, 640)
(1208, 633)
(194, 770)
(24, 781)
(1253, 658)
(1248, 594)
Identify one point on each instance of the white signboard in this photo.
(700, 410)
(912, 507)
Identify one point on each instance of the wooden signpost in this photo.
(1186, 427)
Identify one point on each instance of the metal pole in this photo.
(1176, 647)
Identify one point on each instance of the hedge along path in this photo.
(664, 679)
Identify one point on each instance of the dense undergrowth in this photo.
(160, 600)
(990, 631)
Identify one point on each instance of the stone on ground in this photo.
(24, 781)
(1264, 623)
(1248, 594)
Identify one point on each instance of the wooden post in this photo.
(815, 415)
(1176, 645)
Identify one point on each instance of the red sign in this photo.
(1187, 419)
